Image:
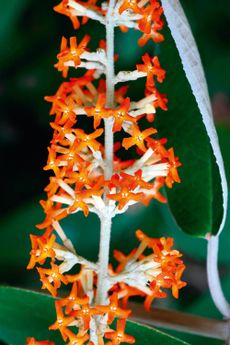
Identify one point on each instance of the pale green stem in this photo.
(214, 278)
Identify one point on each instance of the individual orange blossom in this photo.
(98, 111)
(42, 248)
(130, 4)
(122, 259)
(119, 335)
(138, 138)
(154, 192)
(62, 321)
(113, 310)
(87, 140)
(156, 292)
(136, 180)
(74, 339)
(63, 8)
(158, 146)
(73, 302)
(173, 174)
(85, 313)
(65, 114)
(53, 161)
(154, 35)
(150, 14)
(51, 278)
(121, 114)
(124, 196)
(152, 68)
(177, 284)
(71, 53)
(125, 292)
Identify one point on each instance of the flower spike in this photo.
(92, 171)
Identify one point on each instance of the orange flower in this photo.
(152, 68)
(73, 301)
(65, 114)
(71, 53)
(158, 146)
(154, 192)
(62, 321)
(75, 339)
(156, 292)
(173, 174)
(42, 248)
(122, 259)
(130, 5)
(51, 278)
(63, 8)
(87, 140)
(119, 335)
(121, 114)
(125, 292)
(85, 313)
(138, 138)
(136, 180)
(124, 196)
(113, 310)
(99, 111)
(154, 35)
(151, 14)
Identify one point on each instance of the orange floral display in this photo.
(90, 175)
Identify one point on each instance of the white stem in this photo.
(103, 262)
(214, 278)
(102, 287)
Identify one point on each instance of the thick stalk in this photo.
(214, 278)
(105, 233)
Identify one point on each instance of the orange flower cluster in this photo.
(162, 269)
(78, 160)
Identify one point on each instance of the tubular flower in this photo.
(63, 8)
(51, 278)
(113, 310)
(90, 174)
(138, 138)
(99, 111)
(119, 335)
(121, 114)
(62, 321)
(71, 54)
(153, 69)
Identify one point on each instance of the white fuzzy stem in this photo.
(214, 278)
(102, 287)
(124, 76)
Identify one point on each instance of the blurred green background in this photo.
(30, 34)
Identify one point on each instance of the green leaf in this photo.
(145, 335)
(196, 203)
(25, 313)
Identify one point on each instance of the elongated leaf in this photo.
(145, 335)
(25, 313)
(199, 203)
